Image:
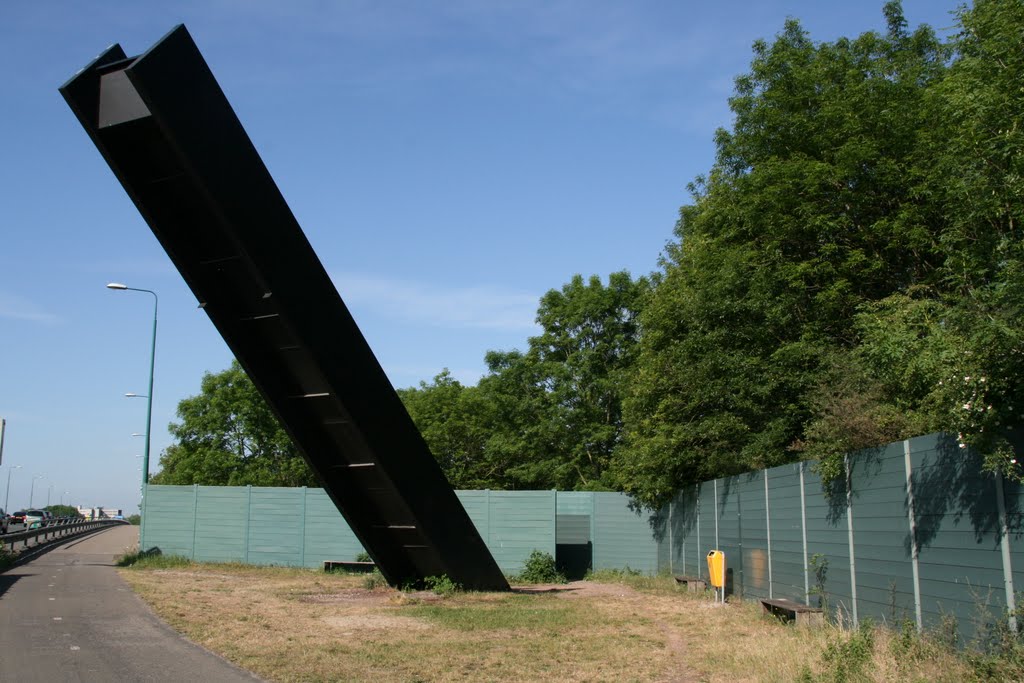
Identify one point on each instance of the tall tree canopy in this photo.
(847, 274)
(227, 435)
(806, 215)
(550, 417)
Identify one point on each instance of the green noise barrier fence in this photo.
(917, 531)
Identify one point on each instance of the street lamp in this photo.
(49, 490)
(7, 496)
(66, 493)
(148, 397)
(32, 490)
(152, 362)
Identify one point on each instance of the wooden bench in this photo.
(365, 567)
(803, 615)
(693, 584)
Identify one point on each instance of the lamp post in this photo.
(32, 490)
(62, 497)
(7, 496)
(149, 396)
(49, 490)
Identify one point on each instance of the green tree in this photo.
(587, 346)
(978, 176)
(227, 435)
(947, 355)
(453, 423)
(811, 211)
(549, 417)
(62, 510)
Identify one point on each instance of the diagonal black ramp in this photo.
(169, 134)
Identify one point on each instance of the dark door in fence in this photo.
(574, 551)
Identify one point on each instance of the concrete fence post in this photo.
(768, 529)
(302, 533)
(1004, 547)
(849, 531)
(248, 522)
(700, 571)
(716, 515)
(195, 517)
(803, 534)
(912, 519)
(671, 549)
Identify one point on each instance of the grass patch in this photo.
(508, 613)
(147, 559)
(297, 625)
(307, 625)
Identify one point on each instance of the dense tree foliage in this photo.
(228, 435)
(846, 273)
(62, 511)
(550, 417)
(849, 272)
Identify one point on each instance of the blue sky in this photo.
(449, 162)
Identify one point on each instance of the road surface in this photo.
(66, 616)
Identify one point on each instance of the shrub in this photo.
(374, 581)
(363, 556)
(441, 585)
(540, 568)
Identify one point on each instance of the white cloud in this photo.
(478, 307)
(20, 308)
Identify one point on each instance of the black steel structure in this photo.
(170, 136)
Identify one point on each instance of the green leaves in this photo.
(227, 435)
(776, 330)
(547, 418)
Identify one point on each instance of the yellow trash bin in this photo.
(716, 568)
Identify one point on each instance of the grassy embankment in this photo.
(304, 625)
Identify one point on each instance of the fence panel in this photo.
(623, 536)
(520, 522)
(787, 548)
(754, 553)
(170, 519)
(221, 514)
(828, 549)
(327, 535)
(276, 526)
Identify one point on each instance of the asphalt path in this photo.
(66, 616)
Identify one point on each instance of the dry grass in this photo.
(301, 625)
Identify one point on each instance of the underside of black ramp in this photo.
(169, 134)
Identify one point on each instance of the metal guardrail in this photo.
(61, 529)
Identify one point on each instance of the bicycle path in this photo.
(66, 615)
